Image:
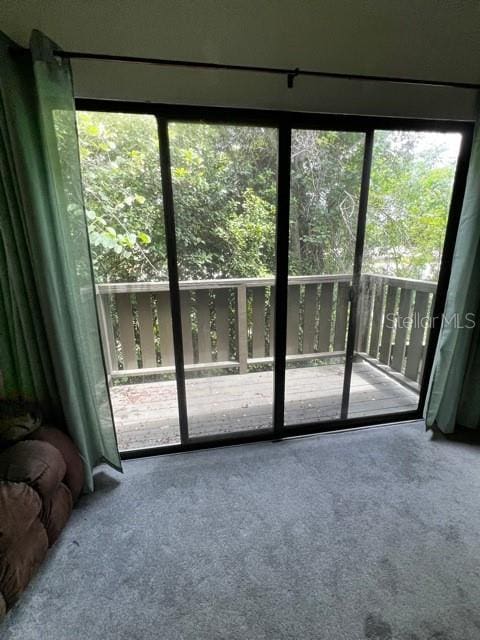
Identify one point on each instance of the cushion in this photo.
(38, 464)
(17, 420)
(56, 512)
(75, 476)
(20, 560)
(20, 505)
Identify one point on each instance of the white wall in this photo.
(435, 39)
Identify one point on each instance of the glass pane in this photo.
(326, 169)
(224, 182)
(410, 191)
(122, 187)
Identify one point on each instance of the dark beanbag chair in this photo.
(56, 512)
(75, 476)
(22, 546)
(20, 560)
(20, 505)
(38, 464)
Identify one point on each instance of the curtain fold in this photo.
(453, 397)
(49, 336)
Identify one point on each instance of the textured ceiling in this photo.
(434, 39)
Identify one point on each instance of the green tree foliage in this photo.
(224, 180)
(325, 187)
(121, 178)
(412, 177)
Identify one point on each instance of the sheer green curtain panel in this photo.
(454, 390)
(49, 336)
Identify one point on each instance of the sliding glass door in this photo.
(123, 197)
(409, 198)
(326, 171)
(266, 274)
(224, 195)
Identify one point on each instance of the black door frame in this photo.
(173, 283)
(357, 271)
(282, 228)
(284, 122)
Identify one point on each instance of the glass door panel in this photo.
(326, 169)
(224, 180)
(224, 186)
(123, 198)
(410, 192)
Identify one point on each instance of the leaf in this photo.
(95, 238)
(130, 239)
(93, 130)
(143, 237)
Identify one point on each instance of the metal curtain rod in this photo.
(290, 73)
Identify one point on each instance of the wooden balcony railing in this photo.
(228, 324)
(394, 325)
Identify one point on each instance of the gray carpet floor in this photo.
(371, 534)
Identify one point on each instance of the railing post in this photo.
(376, 330)
(365, 307)
(415, 346)
(106, 332)
(242, 327)
(125, 329)
(403, 318)
(388, 323)
(271, 337)
(258, 322)
(145, 326)
(293, 318)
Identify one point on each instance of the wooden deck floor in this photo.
(146, 413)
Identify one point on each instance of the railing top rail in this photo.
(138, 287)
(405, 283)
(185, 285)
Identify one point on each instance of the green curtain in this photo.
(49, 337)
(454, 392)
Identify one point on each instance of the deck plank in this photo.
(146, 413)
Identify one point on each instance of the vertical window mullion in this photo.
(281, 275)
(171, 243)
(357, 270)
